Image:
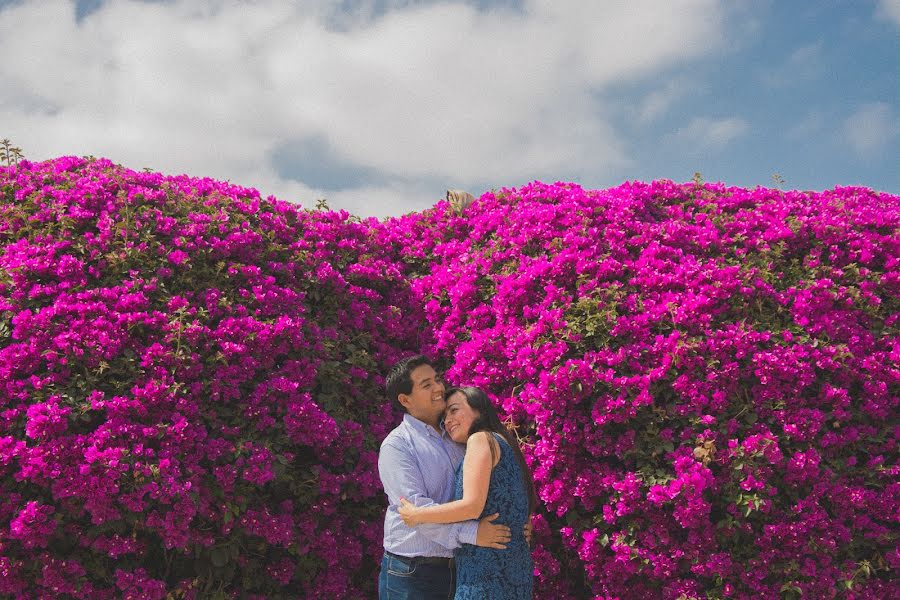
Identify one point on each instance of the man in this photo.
(418, 461)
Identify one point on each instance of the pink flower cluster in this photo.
(704, 380)
(190, 387)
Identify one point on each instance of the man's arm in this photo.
(401, 478)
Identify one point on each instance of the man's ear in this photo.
(403, 399)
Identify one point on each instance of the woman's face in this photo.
(459, 417)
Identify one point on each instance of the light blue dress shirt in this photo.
(419, 464)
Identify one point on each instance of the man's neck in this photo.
(436, 425)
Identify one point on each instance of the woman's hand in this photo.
(408, 512)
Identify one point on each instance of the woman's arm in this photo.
(401, 475)
(476, 479)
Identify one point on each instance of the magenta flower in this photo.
(703, 379)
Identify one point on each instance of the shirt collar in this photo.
(424, 427)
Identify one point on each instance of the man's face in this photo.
(426, 401)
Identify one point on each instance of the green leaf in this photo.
(219, 556)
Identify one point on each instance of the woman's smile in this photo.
(459, 417)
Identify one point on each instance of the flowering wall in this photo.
(191, 388)
(704, 378)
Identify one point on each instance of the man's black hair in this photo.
(399, 380)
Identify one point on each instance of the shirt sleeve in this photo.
(401, 478)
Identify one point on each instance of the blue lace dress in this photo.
(486, 573)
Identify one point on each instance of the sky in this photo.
(380, 106)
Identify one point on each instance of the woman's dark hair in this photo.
(488, 420)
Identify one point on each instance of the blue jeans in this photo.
(411, 580)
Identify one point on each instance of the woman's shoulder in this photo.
(485, 441)
(479, 438)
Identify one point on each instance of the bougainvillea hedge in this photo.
(707, 378)
(191, 381)
(704, 379)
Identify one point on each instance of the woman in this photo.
(493, 478)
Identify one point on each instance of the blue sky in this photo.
(380, 106)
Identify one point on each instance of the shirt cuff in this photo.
(468, 532)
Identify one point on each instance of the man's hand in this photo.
(528, 529)
(492, 535)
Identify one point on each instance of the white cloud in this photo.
(871, 128)
(803, 64)
(889, 10)
(810, 125)
(414, 92)
(388, 200)
(712, 133)
(659, 101)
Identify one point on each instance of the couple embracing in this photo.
(460, 495)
